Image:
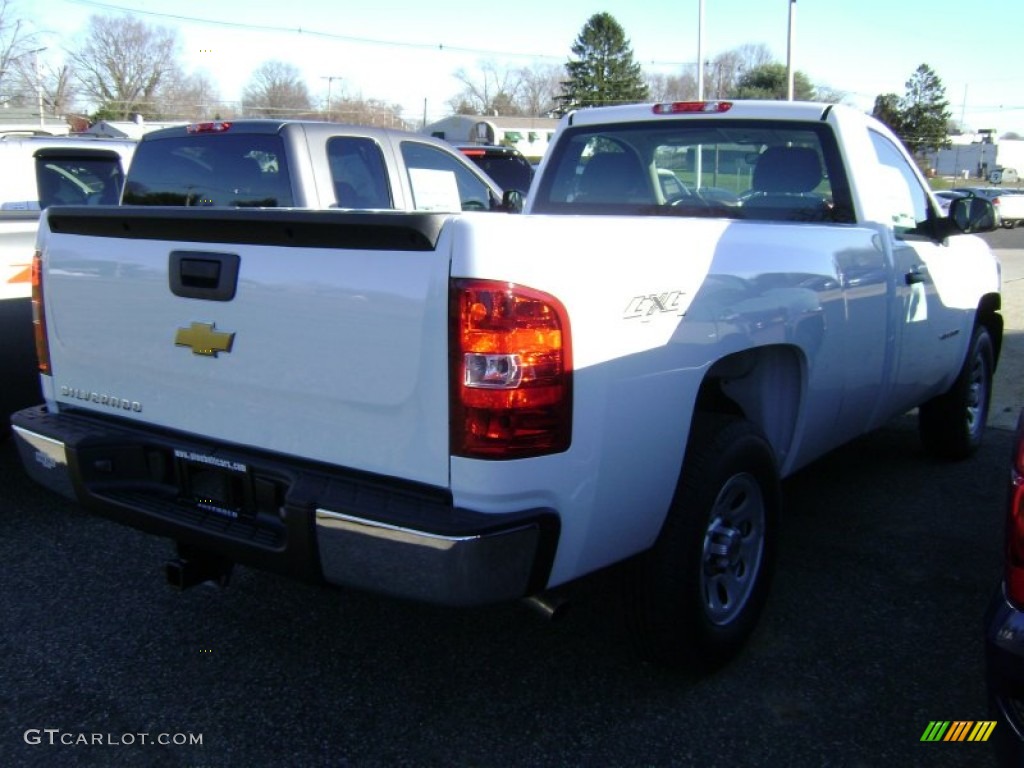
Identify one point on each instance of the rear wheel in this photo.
(696, 596)
(952, 425)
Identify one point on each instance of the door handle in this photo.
(917, 274)
(203, 275)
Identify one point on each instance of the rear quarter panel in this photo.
(652, 304)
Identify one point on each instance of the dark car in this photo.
(947, 196)
(505, 165)
(1004, 624)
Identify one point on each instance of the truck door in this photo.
(928, 328)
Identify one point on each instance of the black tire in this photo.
(694, 598)
(952, 425)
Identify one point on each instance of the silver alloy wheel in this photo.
(977, 395)
(733, 548)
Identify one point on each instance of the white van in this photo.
(1004, 176)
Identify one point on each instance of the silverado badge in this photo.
(203, 339)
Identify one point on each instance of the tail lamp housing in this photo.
(511, 371)
(1015, 522)
(39, 315)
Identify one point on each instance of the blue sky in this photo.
(406, 52)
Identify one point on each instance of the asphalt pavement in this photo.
(1008, 395)
(873, 630)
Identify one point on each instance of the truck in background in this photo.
(264, 163)
(40, 171)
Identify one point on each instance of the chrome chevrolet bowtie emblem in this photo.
(203, 339)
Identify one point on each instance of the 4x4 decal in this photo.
(644, 307)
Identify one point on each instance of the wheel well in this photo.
(763, 385)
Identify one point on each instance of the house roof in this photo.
(26, 121)
(503, 122)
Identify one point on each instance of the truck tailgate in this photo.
(330, 344)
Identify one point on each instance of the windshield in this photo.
(743, 169)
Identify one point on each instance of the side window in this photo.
(440, 182)
(358, 172)
(907, 201)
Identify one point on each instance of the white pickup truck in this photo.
(473, 408)
(39, 171)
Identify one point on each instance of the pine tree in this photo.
(887, 109)
(770, 81)
(921, 116)
(925, 112)
(603, 72)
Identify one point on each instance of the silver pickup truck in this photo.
(306, 164)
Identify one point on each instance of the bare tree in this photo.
(539, 88)
(724, 72)
(672, 87)
(16, 44)
(188, 97)
(494, 89)
(58, 89)
(123, 63)
(276, 89)
(362, 111)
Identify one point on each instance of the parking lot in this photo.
(873, 630)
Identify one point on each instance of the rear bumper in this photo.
(1004, 676)
(306, 520)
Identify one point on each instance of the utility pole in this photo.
(700, 51)
(698, 169)
(330, 79)
(39, 87)
(789, 50)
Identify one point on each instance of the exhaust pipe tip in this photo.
(549, 606)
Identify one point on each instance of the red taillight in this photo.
(474, 152)
(39, 315)
(215, 126)
(511, 371)
(1015, 523)
(692, 107)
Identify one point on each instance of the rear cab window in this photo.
(227, 169)
(64, 177)
(764, 170)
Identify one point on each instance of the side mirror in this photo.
(512, 201)
(968, 216)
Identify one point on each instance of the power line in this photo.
(344, 38)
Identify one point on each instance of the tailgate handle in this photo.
(203, 275)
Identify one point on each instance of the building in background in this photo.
(530, 135)
(29, 122)
(976, 155)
